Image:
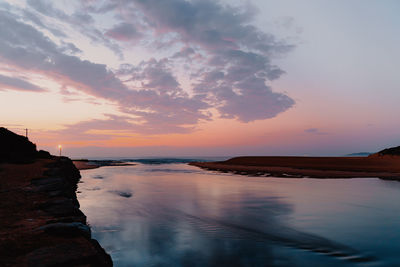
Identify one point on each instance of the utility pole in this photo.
(26, 133)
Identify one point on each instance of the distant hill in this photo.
(359, 154)
(393, 151)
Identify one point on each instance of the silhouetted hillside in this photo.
(393, 151)
(15, 148)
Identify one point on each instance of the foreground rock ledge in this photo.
(40, 220)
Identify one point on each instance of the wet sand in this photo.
(386, 167)
(85, 165)
(93, 164)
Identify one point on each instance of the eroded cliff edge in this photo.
(40, 220)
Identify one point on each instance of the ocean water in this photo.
(179, 215)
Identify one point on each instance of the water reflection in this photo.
(178, 215)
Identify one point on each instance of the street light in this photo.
(59, 147)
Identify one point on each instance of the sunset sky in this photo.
(198, 77)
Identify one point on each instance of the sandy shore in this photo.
(93, 164)
(40, 220)
(85, 165)
(386, 167)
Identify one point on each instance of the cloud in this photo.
(18, 84)
(112, 125)
(83, 22)
(159, 107)
(228, 62)
(30, 16)
(81, 130)
(210, 24)
(70, 48)
(236, 83)
(314, 131)
(235, 56)
(124, 32)
(184, 53)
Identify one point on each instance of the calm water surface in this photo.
(179, 215)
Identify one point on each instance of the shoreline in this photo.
(40, 220)
(84, 164)
(384, 167)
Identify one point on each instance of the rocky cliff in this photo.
(40, 220)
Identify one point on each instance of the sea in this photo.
(164, 212)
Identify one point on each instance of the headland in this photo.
(40, 220)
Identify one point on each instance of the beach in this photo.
(84, 165)
(93, 164)
(386, 167)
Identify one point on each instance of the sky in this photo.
(200, 77)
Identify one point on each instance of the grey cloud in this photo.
(81, 21)
(311, 130)
(15, 83)
(255, 104)
(5, 5)
(27, 15)
(314, 131)
(124, 32)
(166, 109)
(70, 48)
(237, 85)
(33, 17)
(47, 9)
(184, 53)
(123, 125)
(210, 24)
(229, 60)
(156, 75)
(81, 17)
(161, 89)
(99, 8)
(235, 77)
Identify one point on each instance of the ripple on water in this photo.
(125, 194)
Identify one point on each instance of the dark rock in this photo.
(49, 184)
(68, 255)
(68, 219)
(103, 259)
(18, 149)
(71, 229)
(15, 148)
(64, 239)
(393, 151)
(62, 207)
(41, 154)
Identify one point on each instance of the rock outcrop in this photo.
(40, 220)
(15, 148)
